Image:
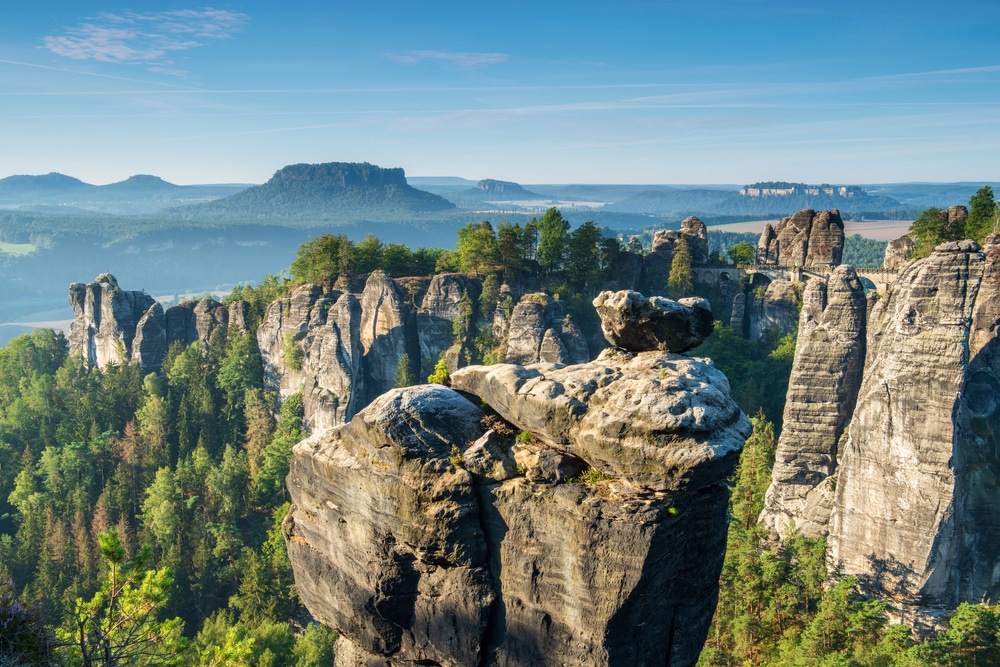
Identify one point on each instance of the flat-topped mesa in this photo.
(426, 533)
(633, 322)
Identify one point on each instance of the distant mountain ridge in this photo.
(323, 192)
(137, 195)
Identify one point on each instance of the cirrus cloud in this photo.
(144, 37)
(460, 58)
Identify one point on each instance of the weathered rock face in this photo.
(776, 310)
(387, 333)
(438, 313)
(656, 265)
(112, 325)
(910, 495)
(696, 235)
(150, 344)
(738, 311)
(195, 321)
(917, 497)
(105, 320)
(413, 533)
(310, 341)
(822, 389)
(805, 239)
(633, 322)
(898, 252)
(539, 330)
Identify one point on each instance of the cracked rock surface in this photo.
(586, 527)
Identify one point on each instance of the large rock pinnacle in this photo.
(426, 533)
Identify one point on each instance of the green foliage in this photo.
(119, 625)
(862, 252)
(984, 217)
(553, 239)
(583, 256)
(269, 484)
(680, 281)
(290, 351)
(322, 258)
(24, 639)
(440, 374)
(743, 253)
(259, 297)
(758, 371)
(405, 374)
(478, 249)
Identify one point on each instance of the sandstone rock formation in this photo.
(195, 321)
(440, 308)
(104, 320)
(822, 389)
(696, 235)
(738, 311)
(912, 491)
(387, 333)
(310, 341)
(776, 310)
(112, 325)
(898, 252)
(656, 265)
(805, 239)
(415, 535)
(917, 502)
(633, 322)
(540, 330)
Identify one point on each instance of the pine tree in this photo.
(679, 282)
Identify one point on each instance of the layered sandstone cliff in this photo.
(807, 238)
(427, 534)
(910, 495)
(918, 490)
(112, 326)
(822, 389)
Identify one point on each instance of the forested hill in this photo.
(322, 192)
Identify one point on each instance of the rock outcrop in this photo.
(656, 265)
(822, 389)
(898, 252)
(427, 534)
(777, 310)
(388, 332)
(918, 498)
(912, 491)
(633, 322)
(540, 330)
(805, 239)
(104, 320)
(196, 321)
(112, 325)
(310, 341)
(440, 308)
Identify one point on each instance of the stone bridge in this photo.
(882, 279)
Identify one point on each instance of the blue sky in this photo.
(731, 91)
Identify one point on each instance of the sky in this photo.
(726, 91)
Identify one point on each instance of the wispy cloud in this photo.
(144, 37)
(460, 58)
